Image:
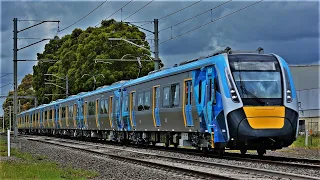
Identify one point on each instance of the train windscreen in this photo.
(258, 79)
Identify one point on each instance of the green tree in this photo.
(75, 54)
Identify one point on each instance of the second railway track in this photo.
(192, 167)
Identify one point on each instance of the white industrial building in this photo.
(307, 83)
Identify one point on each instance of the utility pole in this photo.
(15, 66)
(15, 76)
(156, 46)
(156, 41)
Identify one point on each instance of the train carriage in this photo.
(235, 100)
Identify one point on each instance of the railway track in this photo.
(189, 167)
(275, 160)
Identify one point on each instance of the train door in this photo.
(187, 102)
(74, 116)
(56, 116)
(125, 111)
(111, 111)
(79, 109)
(97, 117)
(210, 98)
(199, 82)
(132, 108)
(41, 118)
(156, 106)
(214, 108)
(116, 112)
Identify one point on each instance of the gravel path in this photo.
(108, 168)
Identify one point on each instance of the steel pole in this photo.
(15, 75)
(10, 118)
(156, 45)
(3, 123)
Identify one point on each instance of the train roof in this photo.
(215, 58)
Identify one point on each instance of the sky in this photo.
(287, 28)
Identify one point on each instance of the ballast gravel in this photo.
(258, 165)
(108, 168)
(112, 169)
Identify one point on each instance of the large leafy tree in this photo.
(24, 89)
(75, 54)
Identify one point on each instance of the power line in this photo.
(115, 12)
(179, 10)
(5, 85)
(174, 12)
(212, 21)
(138, 10)
(170, 27)
(83, 17)
(5, 75)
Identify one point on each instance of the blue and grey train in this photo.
(228, 100)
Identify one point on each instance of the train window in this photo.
(50, 114)
(63, 113)
(102, 106)
(175, 95)
(210, 89)
(116, 106)
(106, 105)
(91, 108)
(147, 100)
(125, 103)
(70, 111)
(133, 101)
(200, 91)
(140, 101)
(166, 101)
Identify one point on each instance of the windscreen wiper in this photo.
(250, 93)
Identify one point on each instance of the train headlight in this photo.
(289, 93)
(233, 92)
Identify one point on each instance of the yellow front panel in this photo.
(265, 117)
(266, 123)
(264, 111)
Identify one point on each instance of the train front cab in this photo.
(266, 117)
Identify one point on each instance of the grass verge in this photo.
(27, 166)
(313, 142)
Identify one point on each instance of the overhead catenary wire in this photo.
(83, 16)
(115, 12)
(170, 27)
(138, 10)
(212, 21)
(174, 12)
(5, 75)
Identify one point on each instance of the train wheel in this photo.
(243, 151)
(261, 152)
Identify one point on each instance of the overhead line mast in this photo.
(15, 65)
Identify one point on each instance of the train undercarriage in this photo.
(200, 141)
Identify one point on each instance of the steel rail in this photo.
(210, 164)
